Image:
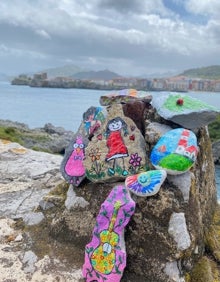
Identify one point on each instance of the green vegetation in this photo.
(10, 134)
(206, 270)
(211, 72)
(29, 139)
(214, 129)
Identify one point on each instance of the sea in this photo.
(64, 107)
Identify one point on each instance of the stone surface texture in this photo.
(26, 176)
(58, 242)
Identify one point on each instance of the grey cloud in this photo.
(122, 5)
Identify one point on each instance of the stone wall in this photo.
(165, 236)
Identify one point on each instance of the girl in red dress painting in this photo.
(115, 143)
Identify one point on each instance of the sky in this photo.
(130, 37)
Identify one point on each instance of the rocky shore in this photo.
(54, 139)
(49, 138)
(45, 223)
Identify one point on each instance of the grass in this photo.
(23, 137)
(214, 129)
(11, 134)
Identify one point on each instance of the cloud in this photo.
(130, 37)
(202, 7)
(43, 33)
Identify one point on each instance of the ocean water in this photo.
(217, 180)
(64, 107)
(61, 107)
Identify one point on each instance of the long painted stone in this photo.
(176, 151)
(184, 110)
(72, 166)
(146, 183)
(117, 150)
(124, 96)
(105, 255)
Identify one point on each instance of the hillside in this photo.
(211, 72)
(103, 74)
(67, 70)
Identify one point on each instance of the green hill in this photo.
(67, 70)
(211, 72)
(103, 74)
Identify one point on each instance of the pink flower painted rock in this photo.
(146, 183)
(105, 255)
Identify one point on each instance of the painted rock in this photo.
(72, 167)
(92, 120)
(176, 151)
(184, 110)
(146, 183)
(124, 96)
(105, 255)
(117, 150)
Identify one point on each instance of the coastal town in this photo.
(176, 83)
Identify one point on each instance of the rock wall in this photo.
(165, 236)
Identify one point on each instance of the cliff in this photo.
(46, 223)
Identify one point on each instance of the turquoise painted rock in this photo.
(105, 255)
(184, 110)
(175, 152)
(92, 120)
(146, 183)
(125, 96)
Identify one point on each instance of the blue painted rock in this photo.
(125, 96)
(176, 151)
(184, 110)
(146, 183)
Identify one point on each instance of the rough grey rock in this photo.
(178, 230)
(25, 177)
(72, 201)
(173, 271)
(33, 218)
(216, 151)
(182, 182)
(153, 254)
(49, 138)
(29, 261)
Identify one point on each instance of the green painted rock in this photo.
(184, 110)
